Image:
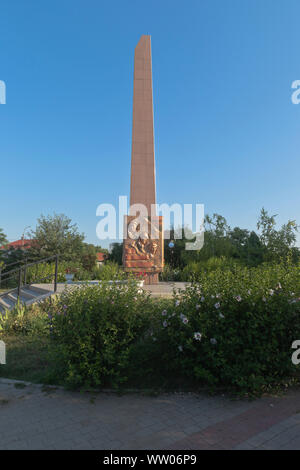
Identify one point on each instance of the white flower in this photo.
(197, 307)
(217, 305)
(218, 296)
(278, 286)
(213, 341)
(249, 291)
(238, 298)
(180, 348)
(271, 291)
(184, 318)
(212, 296)
(164, 312)
(177, 303)
(198, 336)
(165, 324)
(264, 299)
(221, 315)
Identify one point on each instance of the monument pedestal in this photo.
(143, 253)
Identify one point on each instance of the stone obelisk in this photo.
(142, 188)
(143, 255)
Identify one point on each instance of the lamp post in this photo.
(25, 268)
(24, 231)
(171, 246)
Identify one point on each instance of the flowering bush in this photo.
(232, 330)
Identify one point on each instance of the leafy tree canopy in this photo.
(3, 238)
(57, 235)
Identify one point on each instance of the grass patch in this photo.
(26, 358)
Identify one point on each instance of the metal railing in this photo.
(19, 275)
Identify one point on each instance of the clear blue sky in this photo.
(226, 132)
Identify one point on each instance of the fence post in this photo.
(19, 283)
(56, 271)
(25, 272)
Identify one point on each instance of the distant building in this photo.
(101, 258)
(22, 244)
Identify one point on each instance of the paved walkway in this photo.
(35, 417)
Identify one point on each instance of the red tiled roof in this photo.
(18, 244)
(101, 256)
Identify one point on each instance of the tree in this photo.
(57, 235)
(88, 257)
(116, 253)
(276, 243)
(255, 250)
(3, 239)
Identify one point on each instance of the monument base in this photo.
(152, 278)
(144, 257)
(148, 277)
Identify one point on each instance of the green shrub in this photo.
(171, 275)
(232, 330)
(44, 273)
(93, 328)
(31, 320)
(108, 272)
(196, 269)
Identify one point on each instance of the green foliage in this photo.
(94, 328)
(276, 242)
(116, 253)
(24, 320)
(12, 255)
(56, 235)
(88, 257)
(44, 272)
(26, 357)
(110, 271)
(170, 274)
(232, 329)
(107, 272)
(3, 238)
(245, 247)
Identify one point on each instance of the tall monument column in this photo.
(142, 188)
(143, 253)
